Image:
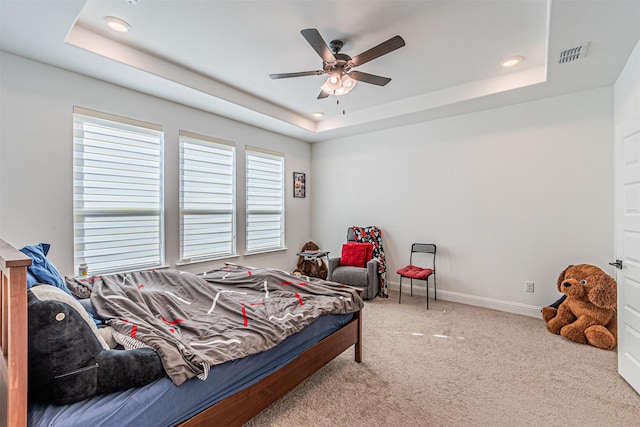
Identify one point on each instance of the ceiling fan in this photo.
(340, 67)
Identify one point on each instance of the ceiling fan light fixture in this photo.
(340, 92)
(348, 82)
(326, 89)
(338, 85)
(116, 24)
(334, 82)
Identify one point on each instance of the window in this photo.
(265, 201)
(117, 192)
(207, 198)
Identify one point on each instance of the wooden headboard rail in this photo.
(13, 336)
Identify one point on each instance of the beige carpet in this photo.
(457, 365)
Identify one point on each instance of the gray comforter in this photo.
(194, 322)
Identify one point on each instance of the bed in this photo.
(232, 407)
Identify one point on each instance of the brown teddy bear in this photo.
(588, 313)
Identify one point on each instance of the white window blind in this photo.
(265, 201)
(117, 192)
(207, 198)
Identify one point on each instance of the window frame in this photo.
(89, 211)
(252, 154)
(207, 143)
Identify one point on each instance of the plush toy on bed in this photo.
(68, 359)
(588, 313)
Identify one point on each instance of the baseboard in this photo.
(477, 301)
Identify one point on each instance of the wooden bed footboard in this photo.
(240, 407)
(13, 336)
(232, 411)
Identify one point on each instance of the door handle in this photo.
(617, 264)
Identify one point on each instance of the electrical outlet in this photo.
(528, 287)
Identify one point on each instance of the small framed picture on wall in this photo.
(299, 184)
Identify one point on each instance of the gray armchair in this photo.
(365, 278)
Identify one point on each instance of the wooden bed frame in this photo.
(232, 411)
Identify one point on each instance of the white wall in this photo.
(509, 195)
(36, 159)
(626, 90)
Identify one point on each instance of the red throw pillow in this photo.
(369, 247)
(353, 255)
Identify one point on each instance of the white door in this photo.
(627, 229)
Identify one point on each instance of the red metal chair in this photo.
(427, 268)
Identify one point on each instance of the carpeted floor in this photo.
(457, 365)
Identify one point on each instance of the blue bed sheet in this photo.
(161, 403)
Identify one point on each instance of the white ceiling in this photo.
(217, 55)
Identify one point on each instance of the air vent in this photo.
(573, 54)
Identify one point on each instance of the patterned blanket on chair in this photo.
(373, 235)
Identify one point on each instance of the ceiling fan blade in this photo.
(323, 95)
(317, 42)
(369, 78)
(299, 74)
(382, 49)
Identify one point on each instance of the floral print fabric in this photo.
(373, 235)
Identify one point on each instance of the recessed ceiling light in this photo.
(511, 61)
(318, 114)
(117, 24)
